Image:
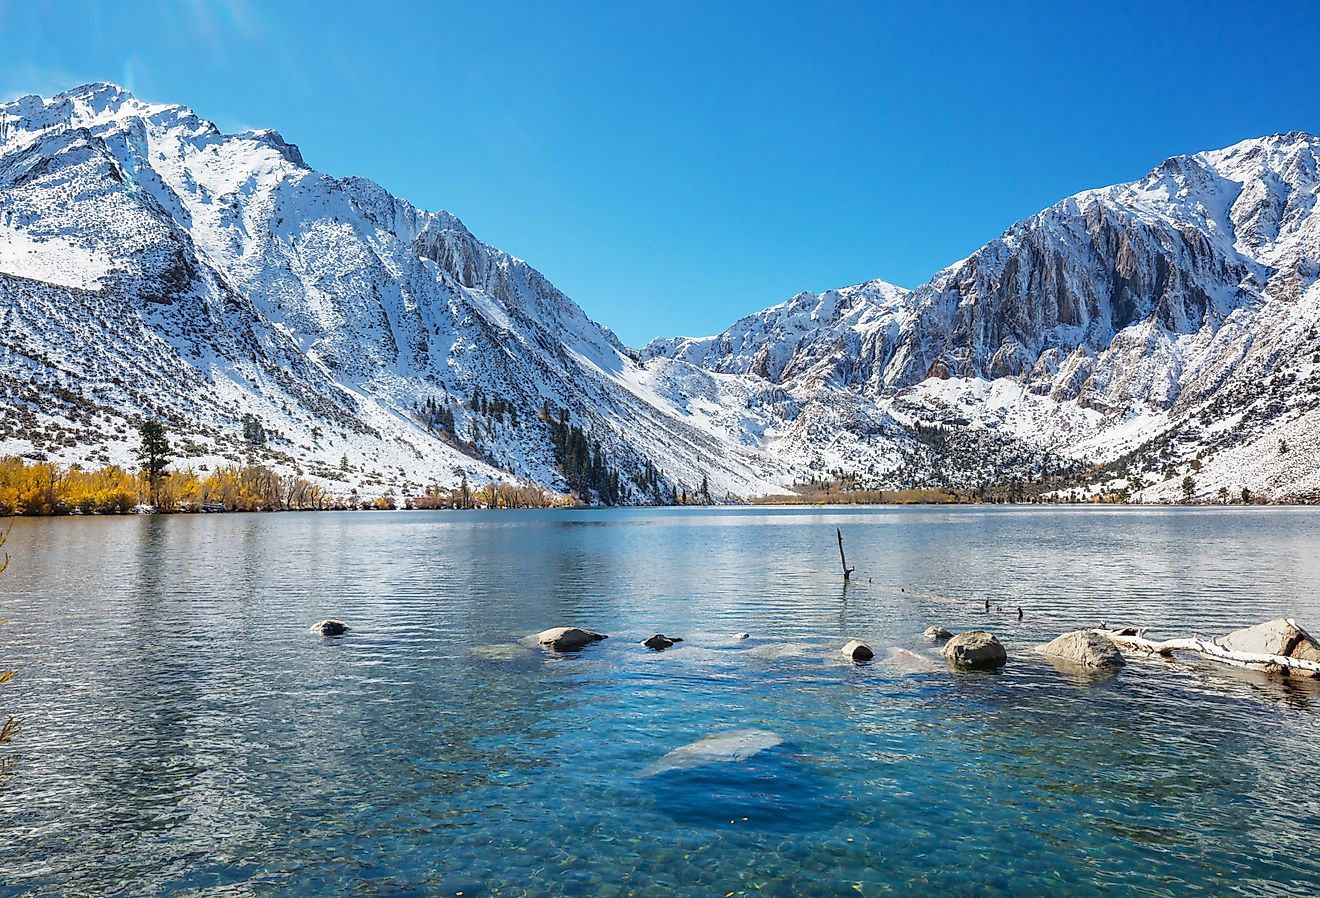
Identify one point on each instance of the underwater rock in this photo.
(907, 661)
(856, 650)
(717, 748)
(937, 633)
(329, 627)
(1085, 648)
(975, 650)
(568, 639)
(502, 652)
(660, 641)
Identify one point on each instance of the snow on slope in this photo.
(1168, 318)
(153, 266)
(243, 283)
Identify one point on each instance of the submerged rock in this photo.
(975, 650)
(329, 627)
(568, 639)
(937, 633)
(1085, 648)
(502, 652)
(660, 641)
(779, 650)
(858, 651)
(718, 748)
(907, 661)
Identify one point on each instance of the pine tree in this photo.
(153, 455)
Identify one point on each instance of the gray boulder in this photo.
(1275, 637)
(1085, 648)
(937, 633)
(975, 650)
(660, 641)
(568, 639)
(329, 627)
(858, 651)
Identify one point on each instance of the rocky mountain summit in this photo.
(153, 267)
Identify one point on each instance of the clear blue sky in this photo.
(674, 166)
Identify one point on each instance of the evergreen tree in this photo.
(153, 455)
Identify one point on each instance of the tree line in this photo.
(46, 488)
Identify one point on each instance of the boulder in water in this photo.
(937, 633)
(568, 639)
(858, 651)
(329, 627)
(731, 747)
(975, 650)
(660, 641)
(1085, 648)
(1276, 637)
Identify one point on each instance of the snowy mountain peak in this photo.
(151, 266)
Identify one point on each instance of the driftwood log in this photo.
(1210, 649)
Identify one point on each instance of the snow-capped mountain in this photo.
(151, 266)
(1173, 318)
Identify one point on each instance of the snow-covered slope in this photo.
(1171, 318)
(152, 266)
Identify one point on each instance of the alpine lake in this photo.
(183, 733)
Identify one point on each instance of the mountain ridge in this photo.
(234, 281)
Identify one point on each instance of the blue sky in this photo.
(674, 166)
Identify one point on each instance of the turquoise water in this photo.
(185, 735)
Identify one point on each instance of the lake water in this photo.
(184, 734)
